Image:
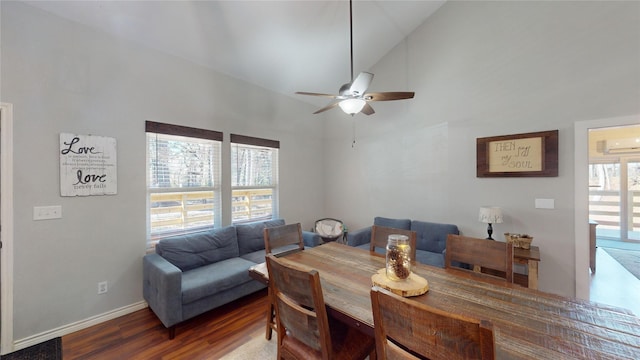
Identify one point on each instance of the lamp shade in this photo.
(352, 106)
(490, 215)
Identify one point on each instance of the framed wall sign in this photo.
(520, 155)
(88, 165)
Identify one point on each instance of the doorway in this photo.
(6, 228)
(614, 184)
(614, 208)
(581, 199)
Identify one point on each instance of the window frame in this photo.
(152, 127)
(274, 145)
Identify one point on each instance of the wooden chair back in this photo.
(282, 240)
(380, 235)
(482, 254)
(300, 309)
(407, 329)
(304, 329)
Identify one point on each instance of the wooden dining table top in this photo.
(527, 323)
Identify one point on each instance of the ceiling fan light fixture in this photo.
(352, 96)
(352, 106)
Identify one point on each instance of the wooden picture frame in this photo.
(520, 155)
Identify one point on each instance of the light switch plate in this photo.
(545, 204)
(47, 212)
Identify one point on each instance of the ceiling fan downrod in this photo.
(351, 34)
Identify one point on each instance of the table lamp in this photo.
(490, 215)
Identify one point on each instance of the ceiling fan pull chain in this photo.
(353, 143)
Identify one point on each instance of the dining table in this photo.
(527, 323)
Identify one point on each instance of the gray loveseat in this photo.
(191, 274)
(431, 238)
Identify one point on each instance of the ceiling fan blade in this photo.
(367, 109)
(316, 94)
(386, 96)
(328, 107)
(361, 83)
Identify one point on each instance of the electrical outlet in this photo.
(103, 287)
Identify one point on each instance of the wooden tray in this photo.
(414, 285)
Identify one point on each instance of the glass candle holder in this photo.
(398, 257)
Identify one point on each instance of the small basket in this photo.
(519, 240)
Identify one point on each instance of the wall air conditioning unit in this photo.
(622, 146)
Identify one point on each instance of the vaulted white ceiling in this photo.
(284, 46)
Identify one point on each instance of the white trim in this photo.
(6, 214)
(79, 325)
(581, 188)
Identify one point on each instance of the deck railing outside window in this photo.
(176, 211)
(605, 209)
(251, 204)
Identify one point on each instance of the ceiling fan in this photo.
(352, 97)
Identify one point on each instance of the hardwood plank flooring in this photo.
(140, 335)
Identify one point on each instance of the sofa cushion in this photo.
(255, 256)
(432, 236)
(392, 223)
(430, 258)
(213, 278)
(366, 247)
(194, 250)
(250, 236)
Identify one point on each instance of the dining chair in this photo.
(380, 234)
(488, 258)
(283, 240)
(305, 331)
(407, 329)
(280, 241)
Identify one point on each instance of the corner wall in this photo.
(64, 77)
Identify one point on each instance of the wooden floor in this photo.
(140, 335)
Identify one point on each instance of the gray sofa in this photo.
(431, 238)
(191, 274)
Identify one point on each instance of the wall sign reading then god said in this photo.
(520, 155)
(87, 165)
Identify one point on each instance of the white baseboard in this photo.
(76, 326)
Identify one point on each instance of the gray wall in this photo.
(62, 77)
(478, 68)
(485, 69)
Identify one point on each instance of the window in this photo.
(183, 180)
(254, 178)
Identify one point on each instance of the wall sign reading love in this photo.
(87, 165)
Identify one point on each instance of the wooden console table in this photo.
(530, 258)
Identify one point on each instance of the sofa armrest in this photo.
(311, 239)
(359, 237)
(162, 288)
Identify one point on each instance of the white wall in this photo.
(485, 69)
(63, 77)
